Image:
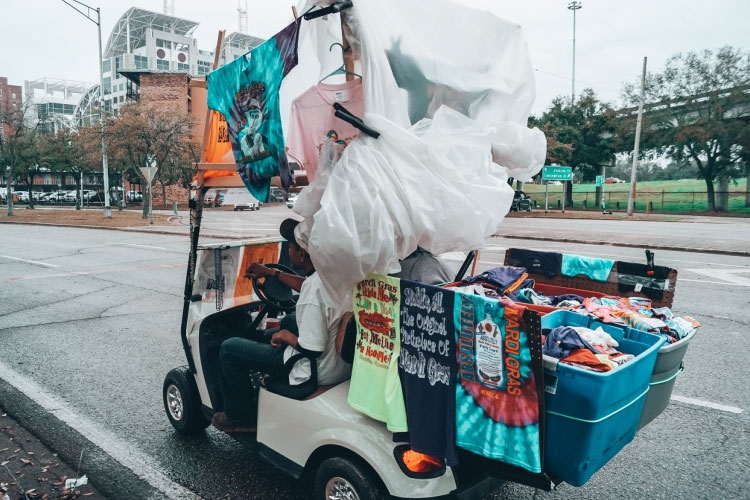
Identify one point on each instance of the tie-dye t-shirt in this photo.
(246, 91)
(497, 407)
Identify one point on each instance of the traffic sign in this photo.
(599, 180)
(554, 173)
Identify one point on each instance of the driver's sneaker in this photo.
(222, 422)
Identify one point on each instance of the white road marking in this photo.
(706, 404)
(144, 246)
(119, 450)
(727, 275)
(44, 264)
(710, 282)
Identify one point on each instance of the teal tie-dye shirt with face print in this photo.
(246, 92)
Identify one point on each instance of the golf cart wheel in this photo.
(339, 478)
(182, 402)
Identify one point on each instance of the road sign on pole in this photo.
(555, 173)
(149, 173)
(599, 180)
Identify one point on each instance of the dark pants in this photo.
(238, 358)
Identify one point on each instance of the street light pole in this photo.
(574, 6)
(105, 167)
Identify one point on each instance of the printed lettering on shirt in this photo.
(424, 335)
(376, 308)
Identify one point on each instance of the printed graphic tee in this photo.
(312, 121)
(497, 407)
(427, 366)
(246, 92)
(375, 388)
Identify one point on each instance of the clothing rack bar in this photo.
(331, 9)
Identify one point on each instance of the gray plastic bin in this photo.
(668, 366)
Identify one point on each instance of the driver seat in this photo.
(345, 343)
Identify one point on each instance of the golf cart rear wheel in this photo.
(182, 402)
(343, 479)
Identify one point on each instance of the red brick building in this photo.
(10, 100)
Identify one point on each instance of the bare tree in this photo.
(142, 134)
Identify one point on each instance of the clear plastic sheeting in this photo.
(449, 88)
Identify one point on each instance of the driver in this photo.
(318, 319)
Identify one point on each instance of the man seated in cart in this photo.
(318, 320)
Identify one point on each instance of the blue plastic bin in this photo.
(591, 416)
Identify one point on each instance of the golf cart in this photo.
(349, 454)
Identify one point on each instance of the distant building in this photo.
(55, 104)
(10, 101)
(148, 42)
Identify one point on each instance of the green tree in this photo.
(697, 111)
(581, 135)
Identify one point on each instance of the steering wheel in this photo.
(273, 292)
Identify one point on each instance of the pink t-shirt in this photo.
(312, 121)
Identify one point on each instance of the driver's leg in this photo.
(238, 358)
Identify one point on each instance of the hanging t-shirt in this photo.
(312, 121)
(375, 388)
(427, 365)
(246, 91)
(497, 406)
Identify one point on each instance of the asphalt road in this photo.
(89, 324)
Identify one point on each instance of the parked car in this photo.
(134, 196)
(251, 205)
(291, 200)
(70, 196)
(521, 201)
(613, 180)
(23, 196)
(90, 195)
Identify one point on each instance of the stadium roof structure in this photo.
(130, 30)
(242, 41)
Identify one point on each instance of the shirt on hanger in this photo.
(246, 91)
(312, 121)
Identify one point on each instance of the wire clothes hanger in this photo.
(341, 70)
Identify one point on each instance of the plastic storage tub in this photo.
(591, 416)
(668, 366)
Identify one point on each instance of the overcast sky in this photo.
(46, 38)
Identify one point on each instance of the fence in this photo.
(649, 201)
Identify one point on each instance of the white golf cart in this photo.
(349, 454)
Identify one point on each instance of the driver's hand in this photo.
(282, 337)
(257, 270)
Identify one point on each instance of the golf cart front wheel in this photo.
(339, 478)
(182, 402)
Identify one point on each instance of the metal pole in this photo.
(105, 167)
(631, 198)
(151, 200)
(574, 6)
(9, 192)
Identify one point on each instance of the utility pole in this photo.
(105, 167)
(631, 198)
(574, 6)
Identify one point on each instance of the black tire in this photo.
(182, 402)
(340, 477)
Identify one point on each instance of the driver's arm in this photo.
(293, 281)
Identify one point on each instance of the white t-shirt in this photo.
(318, 320)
